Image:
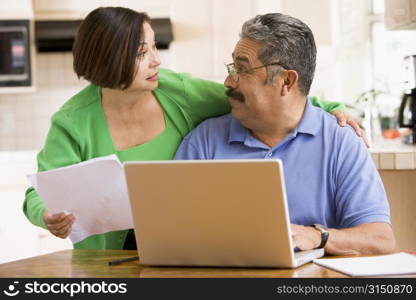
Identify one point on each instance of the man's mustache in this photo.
(232, 93)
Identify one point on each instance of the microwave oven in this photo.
(15, 60)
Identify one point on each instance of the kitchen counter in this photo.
(393, 155)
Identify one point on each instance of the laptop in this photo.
(212, 213)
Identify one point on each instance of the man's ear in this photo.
(290, 80)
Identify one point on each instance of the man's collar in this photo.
(311, 120)
(238, 132)
(309, 124)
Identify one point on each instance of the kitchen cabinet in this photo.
(63, 10)
(12, 9)
(400, 14)
(399, 185)
(396, 163)
(78, 9)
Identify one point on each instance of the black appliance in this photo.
(15, 64)
(407, 110)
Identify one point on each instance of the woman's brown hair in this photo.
(106, 46)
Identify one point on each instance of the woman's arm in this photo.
(61, 149)
(206, 99)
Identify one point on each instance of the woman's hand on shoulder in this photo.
(344, 119)
(59, 224)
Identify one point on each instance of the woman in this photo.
(131, 108)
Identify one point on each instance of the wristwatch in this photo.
(324, 234)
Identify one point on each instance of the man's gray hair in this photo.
(285, 40)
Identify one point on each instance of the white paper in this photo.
(94, 191)
(392, 264)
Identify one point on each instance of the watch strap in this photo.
(324, 234)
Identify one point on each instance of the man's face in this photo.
(250, 97)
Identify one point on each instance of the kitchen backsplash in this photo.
(25, 117)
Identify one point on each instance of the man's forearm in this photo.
(372, 238)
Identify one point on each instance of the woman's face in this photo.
(147, 63)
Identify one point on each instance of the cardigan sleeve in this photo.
(326, 105)
(61, 149)
(205, 99)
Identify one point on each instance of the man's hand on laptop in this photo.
(305, 237)
(60, 224)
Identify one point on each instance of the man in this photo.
(335, 196)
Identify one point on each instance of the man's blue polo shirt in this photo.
(330, 176)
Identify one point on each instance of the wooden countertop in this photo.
(94, 264)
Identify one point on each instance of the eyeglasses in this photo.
(232, 71)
